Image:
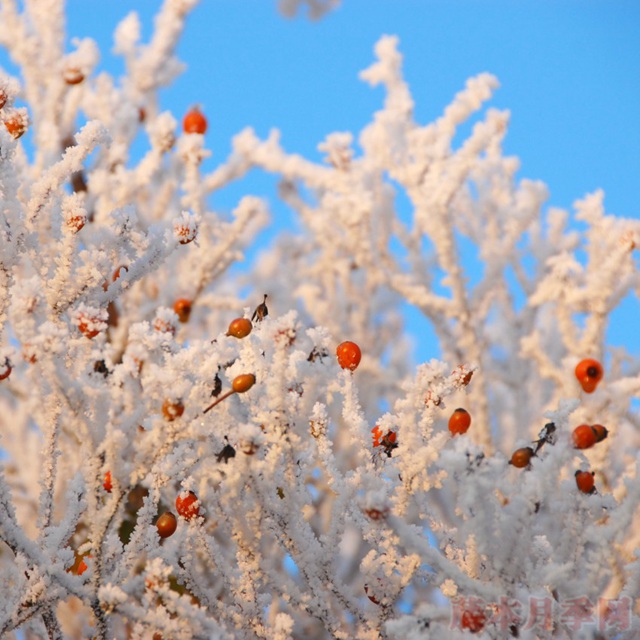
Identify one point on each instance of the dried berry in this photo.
(226, 454)
(261, 311)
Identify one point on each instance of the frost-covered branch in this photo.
(242, 453)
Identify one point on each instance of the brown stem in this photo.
(218, 400)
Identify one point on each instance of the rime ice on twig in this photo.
(304, 528)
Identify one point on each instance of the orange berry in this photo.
(182, 307)
(163, 325)
(584, 437)
(521, 457)
(459, 422)
(73, 75)
(166, 524)
(86, 330)
(187, 506)
(172, 410)
(107, 484)
(589, 372)
(243, 382)
(240, 328)
(76, 223)
(473, 620)
(90, 321)
(585, 481)
(194, 122)
(349, 355)
(600, 431)
(17, 122)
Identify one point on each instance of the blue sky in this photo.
(569, 73)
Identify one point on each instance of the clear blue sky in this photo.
(569, 70)
(569, 73)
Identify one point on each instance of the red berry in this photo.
(243, 382)
(584, 437)
(371, 597)
(459, 422)
(5, 369)
(182, 307)
(187, 506)
(166, 524)
(82, 567)
(349, 355)
(79, 566)
(473, 620)
(194, 121)
(521, 457)
(107, 484)
(600, 431)
(118, 272)
(172, 410)
(585, 481)
(389, 442)
(377, 514)
(240, 328)
(589, 372)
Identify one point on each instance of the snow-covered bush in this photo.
(181, 461)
